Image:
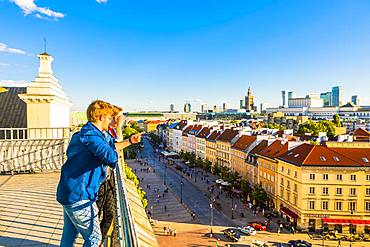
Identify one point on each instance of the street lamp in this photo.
(232, 204)
(211, 206)
(181, 184)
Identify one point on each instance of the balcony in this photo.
(30, 215)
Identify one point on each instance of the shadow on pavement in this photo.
(12, 242)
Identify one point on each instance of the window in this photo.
(312, 176)
(367, 191)
(368, 177)
(367, 206)
(352, 191)
(288, 184)
(282, 169)
(272, 178)
(352, 206)
(295, 174)
(312, 205)
(339, 191)
(339, 177)
(325, 191)
(312, 190)
(325, 176)
(288, 171)
(335, 158)
(296, 199)
(295, 188)
(325, 205)
(282, 192)
(353, 177)
(288, 196)
(338, 206)
(365, 159)
(322, 158)
(272, 167)
(282, 181)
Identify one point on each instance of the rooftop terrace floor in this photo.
(29, 213)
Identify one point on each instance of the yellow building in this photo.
(200, 140)
(267, 168)
(319, 186)
(151, 126)
(211, 153)
(223, 146)
(239, 153)
(251, 165)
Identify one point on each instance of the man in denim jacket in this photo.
(88, 154)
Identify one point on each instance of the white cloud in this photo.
(5, 48)
(101, 1)
(4, 64)
(29, 7)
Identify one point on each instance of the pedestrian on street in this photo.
(174, 232)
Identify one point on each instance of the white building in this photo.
(311, 100)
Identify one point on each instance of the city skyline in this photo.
(152, 52)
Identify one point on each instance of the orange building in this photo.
(239, 153)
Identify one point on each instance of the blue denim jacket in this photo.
(88, 153)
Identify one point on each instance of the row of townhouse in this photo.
(313, 186)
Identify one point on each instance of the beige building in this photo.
(211, 152)
(252, 165)
(318, 186)
(223, 146)
(201, 142)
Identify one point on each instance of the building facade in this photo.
(223, 146)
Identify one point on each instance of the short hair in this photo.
(98, 108)
(116, 110)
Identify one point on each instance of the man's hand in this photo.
(136, 138)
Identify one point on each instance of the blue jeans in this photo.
(81, 218)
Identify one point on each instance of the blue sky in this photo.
(145, 55)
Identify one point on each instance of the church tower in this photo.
(249, 101)
(47, 104)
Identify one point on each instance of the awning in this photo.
(346, 221)
(289, 212)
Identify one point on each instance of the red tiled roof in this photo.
(186, 131)
(243, 142)
(361, 132)
(275, 149)
(213, 135)
(260, 146)
(360, 155)
(204, 132)
(181, 125)
(307, 154)
(227, 135)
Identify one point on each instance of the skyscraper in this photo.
(284, 97)
(249, 100)
(336, 96)
(204, 108)
(242, 104)
(326, 97)
(290, 95)
(224, 107)
(187, 107)
(172, 108)
(355, 100)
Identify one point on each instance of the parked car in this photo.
(233, 234)
(248, 230)
(259, 226)
(299, 243)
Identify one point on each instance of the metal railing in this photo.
(124, 220)
(34, 133)
(46, 158)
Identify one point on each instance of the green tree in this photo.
(336, 120)
(245, 187)
(259, 195)
(134, 125)
(216, 169)
(132, 176)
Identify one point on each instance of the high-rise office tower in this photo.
(284, 98)
(336, 96)
(242, 104)
(187, 107)
(326, 98)
(172, 108)
(355, 100)
(224, 107)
